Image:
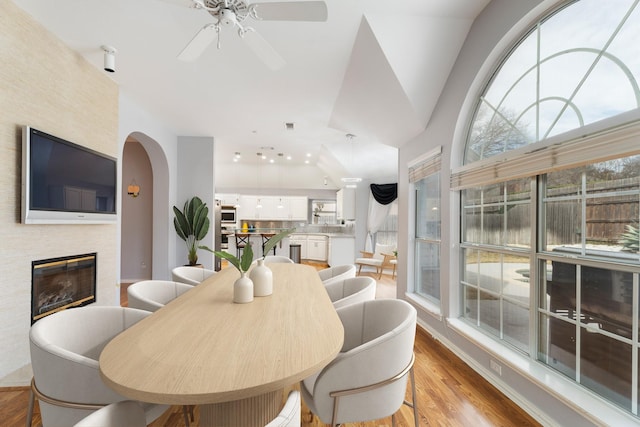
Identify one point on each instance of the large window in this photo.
(497, 259)
(588, 260)
(427, 248)
(424, 176)
(550, 261)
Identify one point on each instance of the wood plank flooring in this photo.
(450, 394)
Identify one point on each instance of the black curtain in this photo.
(384, 193)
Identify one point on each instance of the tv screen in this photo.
(63, 182)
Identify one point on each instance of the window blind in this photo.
(549, 156)
(425, 165)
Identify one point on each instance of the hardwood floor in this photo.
(449, 393)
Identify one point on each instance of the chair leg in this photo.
(360, 269)
(32, 398)
(185, 413)
(414, 402)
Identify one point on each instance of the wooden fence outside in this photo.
(606, 216)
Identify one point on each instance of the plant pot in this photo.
(243, 289)
(262, 278)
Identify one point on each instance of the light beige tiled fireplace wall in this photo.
(45, 85)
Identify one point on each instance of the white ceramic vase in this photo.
(243, 289)
(262, 278)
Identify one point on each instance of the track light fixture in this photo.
(109, 58)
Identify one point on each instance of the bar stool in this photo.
(242, 239)
(265, 239)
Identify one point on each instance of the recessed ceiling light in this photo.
(271, 160)
(288, 157)
(306, 162)
(308, 154)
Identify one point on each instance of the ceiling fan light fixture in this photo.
(351, 180)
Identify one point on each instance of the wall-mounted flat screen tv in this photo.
(65, 183)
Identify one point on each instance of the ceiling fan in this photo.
(233, 13)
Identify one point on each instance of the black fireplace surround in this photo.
(60, 283)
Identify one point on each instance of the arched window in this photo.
(550, 199)
(575, 67)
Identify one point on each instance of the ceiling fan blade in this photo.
(292, 11)
(264, 50)
(198, 43)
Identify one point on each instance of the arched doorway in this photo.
(136, 255)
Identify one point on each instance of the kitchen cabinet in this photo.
(293, 208)
(247, 209)
(282, 208)
(341, 250)
(298, 209)
(317, 247)
(227, 199)
(346, 204)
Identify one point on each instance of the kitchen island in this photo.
(332, 248)
(255, 238)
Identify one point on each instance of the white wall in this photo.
(497, 27)
(196, 172)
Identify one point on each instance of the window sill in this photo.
(572, 395)
(429, 306)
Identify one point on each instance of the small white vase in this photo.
(262, 278)
(243, 289)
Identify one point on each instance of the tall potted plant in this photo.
(192, 225)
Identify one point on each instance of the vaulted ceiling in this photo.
(374, 69)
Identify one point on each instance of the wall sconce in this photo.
(133, 189)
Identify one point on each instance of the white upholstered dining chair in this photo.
(368, 378)
(126, 413)
(351, 290)
(151, 295)
(270, 259)
(380, 259)
(65, 348)
(190, 275)
(290, 414)
(337, 273)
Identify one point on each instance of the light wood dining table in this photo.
(234, 360)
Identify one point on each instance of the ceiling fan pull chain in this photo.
(218, 33)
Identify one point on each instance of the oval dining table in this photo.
(233, 360)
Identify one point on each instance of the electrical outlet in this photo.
(496, 367)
